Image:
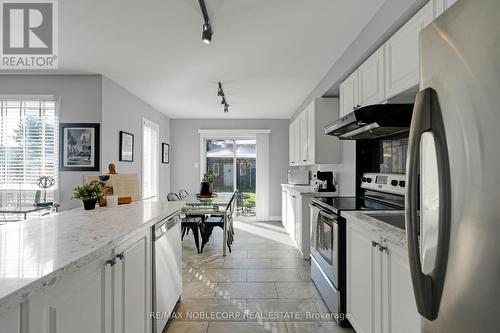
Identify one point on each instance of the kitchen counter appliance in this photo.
(167, 269)
(372, 121)
(298, 177)
(452, 200)
(328, 233)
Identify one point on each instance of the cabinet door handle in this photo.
(382, 248)
(375, 244)
(304, 160)
(110, 262)
(120, 256)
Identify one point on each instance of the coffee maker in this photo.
(325, 181)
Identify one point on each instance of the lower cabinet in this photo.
(112, 294)
(132, 286)
(296, 219)
(379, 290)
(77, 304)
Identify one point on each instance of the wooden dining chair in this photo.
(189, 222)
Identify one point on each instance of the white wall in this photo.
(94, 99)
(80, 97)
(122, 111)
(185, 152)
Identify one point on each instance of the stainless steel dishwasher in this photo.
(167, 269)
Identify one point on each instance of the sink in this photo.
(396, 220)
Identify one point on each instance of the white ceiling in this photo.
(269, 54)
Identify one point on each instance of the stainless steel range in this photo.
(328, 233)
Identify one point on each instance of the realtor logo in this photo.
(28, 34)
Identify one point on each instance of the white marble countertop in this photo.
(390, 233)
(36, 253)
(309, 190)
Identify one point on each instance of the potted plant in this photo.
(207, 184)
(89, 193)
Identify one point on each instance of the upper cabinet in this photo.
(402, 54)
(349, 99)
(394, 67)
(441, 5)
(308, 143)
(371, 79)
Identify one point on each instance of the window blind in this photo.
(28, 149)
(150, 160)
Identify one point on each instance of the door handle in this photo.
(120, 256)
(374, 244)
(427, 118)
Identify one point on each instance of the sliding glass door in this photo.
(233, 163)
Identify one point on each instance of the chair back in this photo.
(231, 206)
(172, 197)
(183, 193)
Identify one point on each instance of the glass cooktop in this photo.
(337, 204)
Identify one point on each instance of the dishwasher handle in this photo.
(161, 228)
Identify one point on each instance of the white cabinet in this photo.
(349, 98)
(402, 53)
(294, 142)
(296, 217)
(441, 6)
(308, 143)
(379, 290)
(363, 265)
(371, 79)
(132, 290)
(304, 147)
(10, 321)
(109, 295)
(397, 292)
(284, 212)
(78, 303)
(291, 144)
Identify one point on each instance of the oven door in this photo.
(324, 242)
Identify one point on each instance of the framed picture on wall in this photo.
(165, 153)
(79, 147)
(126, 147)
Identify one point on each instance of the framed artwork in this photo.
(126, 147)
(79, 147)
(165, 153)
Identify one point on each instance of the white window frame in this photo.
(57, 101)
(147, 122)
(262, 160)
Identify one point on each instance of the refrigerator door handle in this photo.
(427, 119)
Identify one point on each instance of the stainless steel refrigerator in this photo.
(453, 172)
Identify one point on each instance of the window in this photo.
(150, 159)
(28, 149)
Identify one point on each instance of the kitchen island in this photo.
(79, 270)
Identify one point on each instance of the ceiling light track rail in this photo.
(220, 93)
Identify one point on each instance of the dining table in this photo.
(206, 205)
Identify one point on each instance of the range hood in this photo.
(372, 121)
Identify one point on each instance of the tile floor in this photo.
(264, 285)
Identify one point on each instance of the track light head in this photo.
(206, 35)
(226, 108)
(223, 102)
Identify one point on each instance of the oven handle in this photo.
(328, 216)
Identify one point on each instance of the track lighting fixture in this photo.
(206, 35)
(220, 93)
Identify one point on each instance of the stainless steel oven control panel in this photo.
(393, 183)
